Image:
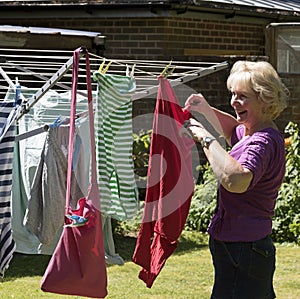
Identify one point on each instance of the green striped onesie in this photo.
(113, 124)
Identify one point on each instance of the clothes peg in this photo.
(101, 70)
(59, 121)
(76, 220)
(128, 73)
(132, 71)
(167, 71)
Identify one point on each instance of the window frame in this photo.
(272, 33)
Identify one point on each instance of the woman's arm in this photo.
(231, 174)
(222, 122)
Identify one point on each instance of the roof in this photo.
(279, 5)
(289, 5)
(263, 7)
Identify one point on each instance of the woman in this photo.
(249, 177)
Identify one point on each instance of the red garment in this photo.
(170, 186)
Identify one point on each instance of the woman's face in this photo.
(247, 106)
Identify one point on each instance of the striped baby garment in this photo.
(113, 124)
(7, 135)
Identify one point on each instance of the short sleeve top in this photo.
(248, 216)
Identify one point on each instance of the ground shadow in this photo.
(35, 265)
(125, 245)
(26, 265)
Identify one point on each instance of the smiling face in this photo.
(247, 106)
(256, 88)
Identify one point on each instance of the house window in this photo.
(283, 47)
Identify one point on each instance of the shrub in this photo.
(129, 227)
(140, 156)
(203, 201)
(286, 222)
(141, 149)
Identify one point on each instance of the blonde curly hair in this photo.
(263, 79)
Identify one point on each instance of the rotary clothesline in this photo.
(41, 71)
(46, 72)
(35, 73)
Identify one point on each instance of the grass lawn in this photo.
(188, 274)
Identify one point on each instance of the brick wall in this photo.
(164, 38)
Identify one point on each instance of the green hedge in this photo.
(286, 223)
(203, 202)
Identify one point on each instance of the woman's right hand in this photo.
(197, 102)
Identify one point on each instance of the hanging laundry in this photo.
(170, 186)
(111, 256)
(36, 229)
(83, 178)
(45, 213)
(28, 153)
(113, 123)
(8, 114)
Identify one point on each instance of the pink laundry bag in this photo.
(77, 266)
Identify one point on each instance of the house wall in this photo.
(179, 38)
(167, 37)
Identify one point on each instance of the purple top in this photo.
(247, 216)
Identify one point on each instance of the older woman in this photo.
(249, 177)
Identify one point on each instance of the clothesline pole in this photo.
(63, 86)
(51, 82)
(48, 85)
(25, 70)
(183, 79)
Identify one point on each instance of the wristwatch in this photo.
(206, 141)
